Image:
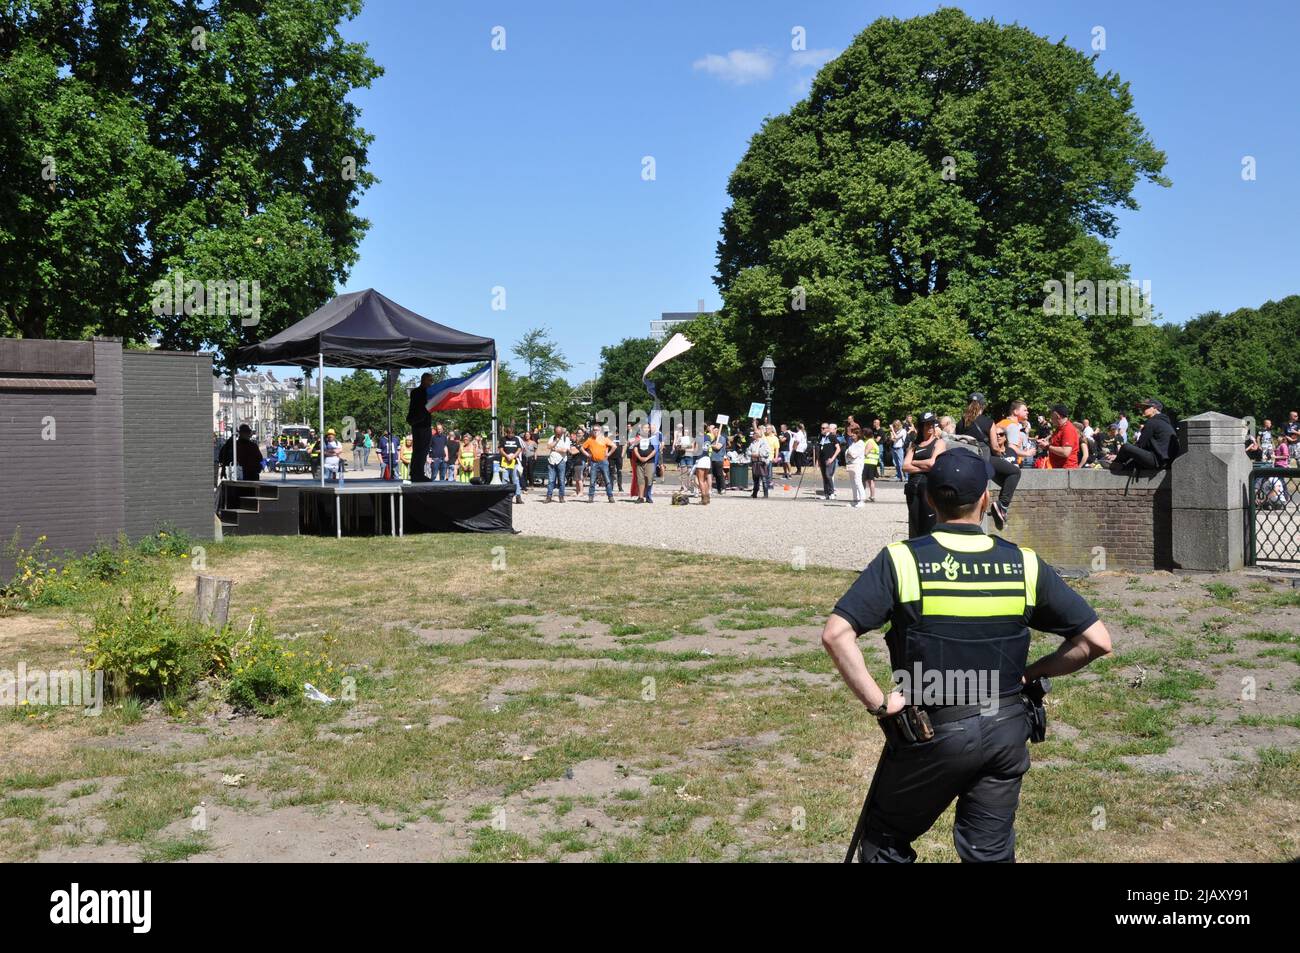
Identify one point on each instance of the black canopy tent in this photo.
(364, 329)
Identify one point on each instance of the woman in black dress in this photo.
(921, 449)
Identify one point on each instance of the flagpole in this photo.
(494, 401)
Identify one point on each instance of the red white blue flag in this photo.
(462, 393)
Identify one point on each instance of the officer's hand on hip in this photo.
(894, 703)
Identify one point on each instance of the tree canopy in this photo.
(889, 239)
(1246, 363)
(199, 140)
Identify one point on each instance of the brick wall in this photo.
(76, 488)
(1065, 515)
(68, 488)
(167, 441)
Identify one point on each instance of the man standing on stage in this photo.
(421, 422)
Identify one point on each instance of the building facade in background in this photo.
(259, 400)
(670, 321)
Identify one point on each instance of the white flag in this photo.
(677, 345)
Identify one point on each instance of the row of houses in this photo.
(257, 399)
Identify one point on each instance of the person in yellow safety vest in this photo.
(956, 607)
(404, 457)
(871, 465)
(465, 462)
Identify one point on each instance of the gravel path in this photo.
(781, 528)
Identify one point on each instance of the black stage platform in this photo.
(361, 507)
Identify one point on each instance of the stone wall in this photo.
(1090, 520)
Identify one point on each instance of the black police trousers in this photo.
(979, 760)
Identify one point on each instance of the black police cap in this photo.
(958, 476)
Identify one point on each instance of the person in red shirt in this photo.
(1063, 446)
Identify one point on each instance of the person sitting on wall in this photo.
(1156, 446)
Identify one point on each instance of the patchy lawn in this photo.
(523, 698)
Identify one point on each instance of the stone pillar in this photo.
(1209, 494)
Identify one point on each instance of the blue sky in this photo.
(523, 168)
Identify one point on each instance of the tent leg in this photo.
(338, 516)
(388, 377)
(320, 388)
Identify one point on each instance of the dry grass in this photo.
(582, 756)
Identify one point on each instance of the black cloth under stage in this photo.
(426, 508)
(458, 508)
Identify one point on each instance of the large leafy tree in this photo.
(889, 238)
(150, 139)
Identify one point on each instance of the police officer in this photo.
(956, 607)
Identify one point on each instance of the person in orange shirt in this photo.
(596, 448)
(1063, 446)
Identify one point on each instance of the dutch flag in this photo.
(462, 393)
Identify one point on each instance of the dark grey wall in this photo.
(68, 489)
(167, 441)
(106, 470)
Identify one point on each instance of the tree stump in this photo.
(212, 600)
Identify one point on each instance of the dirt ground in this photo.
(544, 729)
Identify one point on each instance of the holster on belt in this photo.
(1033, 696)
(907, 727)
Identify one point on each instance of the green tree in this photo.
(143, 140)
(1243, 363)
(542, 360)
(889, 238)
(539, 379)
(619, 378)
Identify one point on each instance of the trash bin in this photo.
(739, 477)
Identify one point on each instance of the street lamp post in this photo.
(769, 372)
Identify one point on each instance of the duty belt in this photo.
(945, 714)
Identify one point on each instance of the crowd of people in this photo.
(1275, 447)
(593, 457)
